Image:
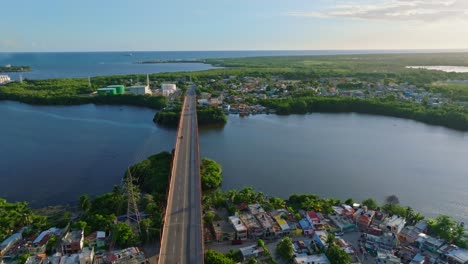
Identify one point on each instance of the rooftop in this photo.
(249, 220)
(237, 223)
(316, 259)
(73, 236)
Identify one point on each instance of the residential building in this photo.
(313, 218)
(457, 256)
(429, 243)
(312, 259)
(87, 256)
(7, 243)
(306, 227)
(320, 238)
(239, 227)
(283, 225)
(224, 231)
(55, 259)
(168, 89)
(409, 234)
(387, 258)
(418, 259)
(251, 251)
(70, 259)
(38, 246)
(254, 229)
(393, 224)
(72, 242)
(343, 222)
(130, 255)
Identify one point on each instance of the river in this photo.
(51, 155)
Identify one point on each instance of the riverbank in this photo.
(253, 209)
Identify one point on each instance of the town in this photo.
(268, 230)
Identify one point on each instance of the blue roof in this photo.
(305, 224)
(14, 237)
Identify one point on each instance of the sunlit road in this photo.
(182, 237)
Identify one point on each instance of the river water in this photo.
(51, 155)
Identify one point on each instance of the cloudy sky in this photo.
(106, 25)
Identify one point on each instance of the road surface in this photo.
(182, 238)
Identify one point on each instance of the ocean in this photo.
(46, 65)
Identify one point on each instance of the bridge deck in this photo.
(182, 237)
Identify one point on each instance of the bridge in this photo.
(182, 235)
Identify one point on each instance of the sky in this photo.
(155, 25)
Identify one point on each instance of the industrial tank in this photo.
(120, 89)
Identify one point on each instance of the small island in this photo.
(206, 115)
(170, 61)
(11, 68)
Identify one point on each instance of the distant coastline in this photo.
(170, 61)
(11, 68)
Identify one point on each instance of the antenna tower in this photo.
(133, 215)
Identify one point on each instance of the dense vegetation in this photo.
(15, 69)
(207, 115)
(365, 67)
(451, 116)
(16, 215)
(210, 172)
(71, 92)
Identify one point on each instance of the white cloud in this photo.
(402, 10)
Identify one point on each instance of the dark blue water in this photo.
(52, 155)
(83, 64)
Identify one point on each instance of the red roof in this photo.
(312, 215)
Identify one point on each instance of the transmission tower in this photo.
(133, 215)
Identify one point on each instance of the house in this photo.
(320, 238)
(239, 227)
(130, 255)
(70, 259)
(363, 218)
(429, 243)
(254, 229)
(409, 234)
(55, 259)
(36, 259)
(418, 259)
(387, 258)
(86, 256)
(306, 227)
(458, 256)
(11, 240)
(300, 247)
(224, 231)
(283, 225)
(312, 259)
(313, 218)
(38, 246)
(387, 241)
(342, 222)
(393, 224)
(251, 251)
(72, 242)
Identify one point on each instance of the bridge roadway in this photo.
(182, 236)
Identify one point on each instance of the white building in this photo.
(139, 89)
(4, 79)
(168, 88)
(315, 259)
(241, 230)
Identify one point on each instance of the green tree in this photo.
(336, 255)
(285, 249)
(392, 200)
(209, 217)
(23, 258)
(371, 203)
(349, 201)
(235, 255)
(123, 235)
(214, 257)
(85, 204)
(210, 172)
